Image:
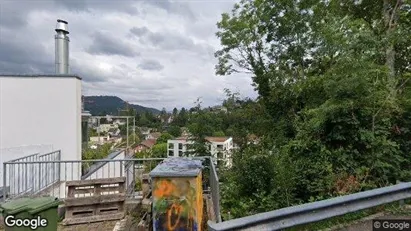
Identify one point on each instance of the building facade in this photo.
(220, 148)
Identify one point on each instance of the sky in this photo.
(157, 53)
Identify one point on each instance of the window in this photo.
(180, 153)
(170, 153)
(171, 146)
(180, 146)
(219, 147)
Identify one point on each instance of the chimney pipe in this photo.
(62, 47)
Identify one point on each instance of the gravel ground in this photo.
(98, 226)
(366, 225)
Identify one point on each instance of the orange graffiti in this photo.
(179, 203)
(164, 189)
(175, 209)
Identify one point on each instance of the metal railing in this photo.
(316, 211)
(24, 179)
(215, 190)
(44, 175)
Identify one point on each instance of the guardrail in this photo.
(23, 179)
(54, 174)
(316, 211)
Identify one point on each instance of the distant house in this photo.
(106, 127)
(113, 132)
(220, 148)
(218, 109)
(145, 145)
(99, 139)
(185, 132)
(252, 139)
(145, 131)
(153, 135)
(178, 146)
(119, 122)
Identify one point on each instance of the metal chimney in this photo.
(62, 47)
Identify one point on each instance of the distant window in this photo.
(170, 153)
(180, 146)
(171, 146)
(180, 153)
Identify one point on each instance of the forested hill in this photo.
(98, 105)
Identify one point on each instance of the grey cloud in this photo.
(87, 73)
(104, 44)
(169, 41)
(151, 65)
(21, 57)
(139, 31)
(174, 7)
(124, 6)
(10, 18)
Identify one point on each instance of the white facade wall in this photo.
(225, 148)
(40, 110)
(177, 147)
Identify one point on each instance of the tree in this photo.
(159, 150)
(174, 131)
(181, 119)
(164, 137)
(332, 87)
(175, 112)
(219, 134)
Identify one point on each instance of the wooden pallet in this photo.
(95, 200)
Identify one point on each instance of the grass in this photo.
(391, 208)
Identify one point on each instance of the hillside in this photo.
(110, 105)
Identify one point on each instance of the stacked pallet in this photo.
(95, 200)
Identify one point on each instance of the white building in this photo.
(39, 114)
(219, 147)
(106, 127)
(119, 122)
(177, 147)
(40, 110)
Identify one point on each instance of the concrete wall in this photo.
(41, 110)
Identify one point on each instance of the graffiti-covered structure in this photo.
(177, 195)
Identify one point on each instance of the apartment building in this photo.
(219, 147)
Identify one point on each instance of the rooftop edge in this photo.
(42, 76)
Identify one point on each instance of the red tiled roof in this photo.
(216, 139)
(149, 143)
(181, 138)
(155, 135)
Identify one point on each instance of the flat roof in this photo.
(41, 76)
(177, 167)
(216, 139)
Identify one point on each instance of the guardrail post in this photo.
(401, 202)
(4, 181)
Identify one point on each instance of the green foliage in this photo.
(219, 134)
(92, 132)
(164, 137)
(333, 107)
(174, 131)
(94, 154)
(159, 150)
